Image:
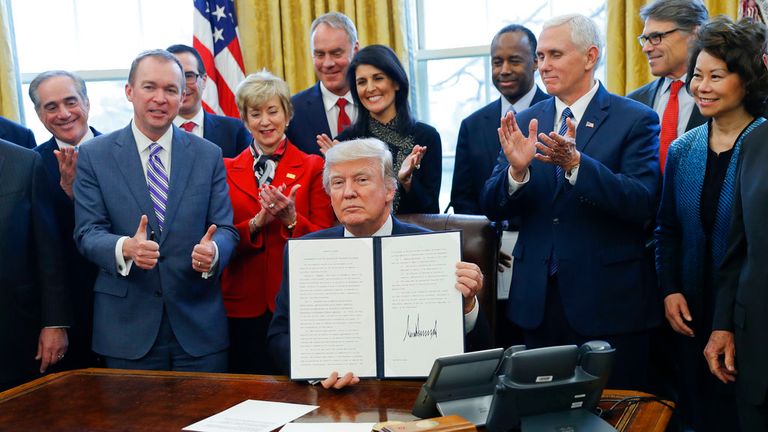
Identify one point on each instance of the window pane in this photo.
(110, 110)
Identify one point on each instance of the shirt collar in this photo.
(385, 230)
(88, 135)
(329, 99)
(142, 142)
(668, 82)
(197, 119)
(525, 101)
(578, 108)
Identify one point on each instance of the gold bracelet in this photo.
(252, 225)
(292, 225)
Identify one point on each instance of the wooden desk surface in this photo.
(109, 400)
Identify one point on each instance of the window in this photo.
(98, 40)
(450, 64)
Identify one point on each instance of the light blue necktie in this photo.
(157, 181)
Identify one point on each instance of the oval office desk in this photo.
(111, 399)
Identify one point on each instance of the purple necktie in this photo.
(157, 181)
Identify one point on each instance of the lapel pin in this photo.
(291, 176)
(590, 124)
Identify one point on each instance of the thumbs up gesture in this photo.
(204, 252)
(143, 252)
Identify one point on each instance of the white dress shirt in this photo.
(198, 120)
(521, 104)
(332, 110)
(62, 145)
(685, 103)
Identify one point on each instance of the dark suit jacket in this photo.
(226, 132)
(82, 274)
(16, 133)
(279, 337)
(111, 195)
(32, 289)
(647, 93)
(309, 120)
(252, 279)
(596, 227)
(742, 295)
(477, 148)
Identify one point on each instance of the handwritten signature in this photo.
(417, 332)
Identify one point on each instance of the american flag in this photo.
(216, 39)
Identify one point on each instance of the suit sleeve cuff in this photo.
(123, 265)
(471, 318)
(212, 271)
(514, 185)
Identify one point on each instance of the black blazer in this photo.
(278, 335)
(82, 273)
(741, 285)
(647, 93)
(477, 148)
(229, 133)
(32, 289)
(16, 133)
(309, 120)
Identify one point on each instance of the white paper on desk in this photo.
(333, 279)
(328, 427)
(508, 240)
(423, 315)
(252, 416)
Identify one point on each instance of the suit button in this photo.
(159, 293)
(555, 221)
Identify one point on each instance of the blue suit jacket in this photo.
(309, 120)
(16, 133)
(226, 132)
(477, 148)
(32, 291)
(111, 195)
(279, 337)
(82, 274)
(647, 94)
(596, 227)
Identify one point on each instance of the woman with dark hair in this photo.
(729, 85)
(380, 89)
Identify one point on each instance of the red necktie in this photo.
(669, 123)
(344, 120)
(188, 126)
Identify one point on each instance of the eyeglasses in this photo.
(191, 77)
(655, 37)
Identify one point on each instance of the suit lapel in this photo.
(594, 117)
(490, 138)
(241, 175)
(289, 169)
(182, 160)
(128, 161)
(316, 111)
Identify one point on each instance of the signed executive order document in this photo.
(382, 307)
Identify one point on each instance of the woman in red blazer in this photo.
(277, 193)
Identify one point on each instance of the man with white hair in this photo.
(584, 193)
(359, 177)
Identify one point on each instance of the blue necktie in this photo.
(553, 265)
(157, 181)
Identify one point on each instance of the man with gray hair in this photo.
(61, 102)
(327, 107)
(359, 177)
(152, 211)
(670, 27)
(584, 189)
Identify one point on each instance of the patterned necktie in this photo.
(669, 123)
(344, 120)
(553, 264)
(188, 126)
(157, 181)
(562, 131)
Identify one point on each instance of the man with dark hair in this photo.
(327, 107)
(34, 302)
(61, 101)
(670, 26)
(513, 64)
(168, 313)
(226, 132)
(16, 133)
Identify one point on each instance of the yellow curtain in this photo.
(626, 66)
(274, 34)
(9, 100)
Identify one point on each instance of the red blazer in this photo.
(251, 280)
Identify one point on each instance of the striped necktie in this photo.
(562, 131)
(157, 181)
